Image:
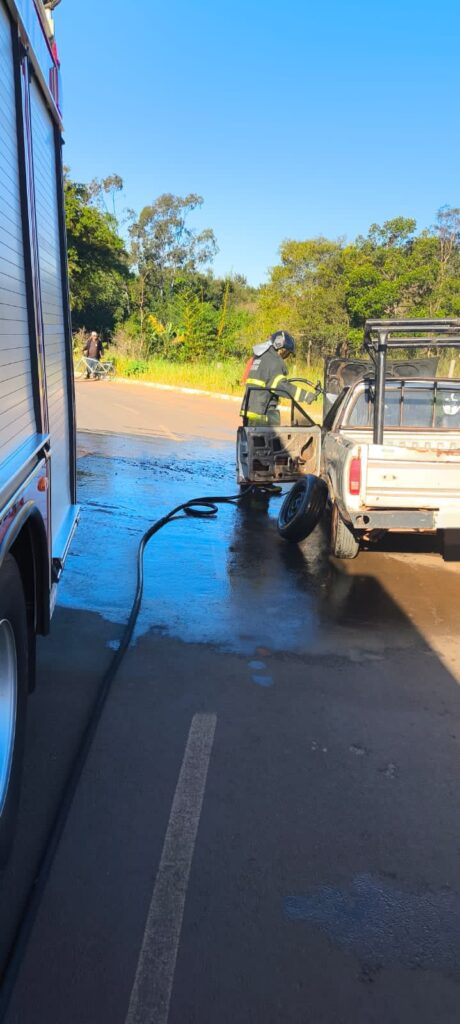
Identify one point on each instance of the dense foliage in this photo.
(325, 290)
(98, 262)
(155, 288)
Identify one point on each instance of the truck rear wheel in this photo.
(343, 540)
(451, 546)
(13, 697)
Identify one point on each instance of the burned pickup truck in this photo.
(387, 457)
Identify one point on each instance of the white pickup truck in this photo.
(388, 454)
(391, 446)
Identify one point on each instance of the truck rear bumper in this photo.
(405, 519)
(393, 519)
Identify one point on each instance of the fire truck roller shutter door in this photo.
(54, 325)
(17, 415)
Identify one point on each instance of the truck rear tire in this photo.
(451, 546)
(14, 645)
(343, 540)
(302, 508)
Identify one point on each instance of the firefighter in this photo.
(267, 369)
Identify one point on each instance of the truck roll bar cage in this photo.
(381, 335)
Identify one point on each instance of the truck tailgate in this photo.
(397, 476)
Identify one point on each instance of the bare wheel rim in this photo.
(294, 505)
(8, 700)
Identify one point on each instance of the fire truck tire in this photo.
(14, 644)
(343, 540)
(302, 508)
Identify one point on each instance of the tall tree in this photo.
(306, 295)
(446, 293)
(98, 262)
(164, 246)
(325, 290)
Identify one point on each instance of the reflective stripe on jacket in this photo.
(269, 371)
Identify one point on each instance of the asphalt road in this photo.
(123, 407)
(266, 829)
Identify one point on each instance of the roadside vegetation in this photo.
(145, 282)
(223, 377)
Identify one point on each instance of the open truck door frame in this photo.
(275, 454)
(38, 511)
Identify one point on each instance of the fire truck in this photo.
(38, 511)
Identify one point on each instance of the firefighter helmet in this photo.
(281, 339)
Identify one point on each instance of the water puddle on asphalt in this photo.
(231, 581)
(383, 924)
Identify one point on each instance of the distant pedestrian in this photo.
(93, 350)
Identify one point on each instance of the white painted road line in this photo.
(151, 993)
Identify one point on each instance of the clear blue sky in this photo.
(290, 119)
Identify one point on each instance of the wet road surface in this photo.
(266, 829)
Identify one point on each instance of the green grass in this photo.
(220, 377)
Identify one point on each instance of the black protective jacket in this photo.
(94, 348)
(269, 371)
